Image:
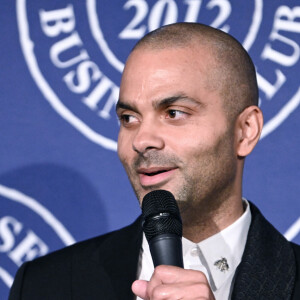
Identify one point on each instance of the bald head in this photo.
(232, 72)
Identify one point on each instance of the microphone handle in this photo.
(166, 249)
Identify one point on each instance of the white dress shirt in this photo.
(217, 257)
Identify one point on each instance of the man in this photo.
(189, 117)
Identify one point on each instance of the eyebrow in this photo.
(159, 104)
(123, 105)
(171, 100)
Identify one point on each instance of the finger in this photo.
(171, 274)
(139, 288)
(192, 291)
(168, 282)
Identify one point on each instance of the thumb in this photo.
(139, 288)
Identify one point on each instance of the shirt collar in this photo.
(228, 243)
(226, 247)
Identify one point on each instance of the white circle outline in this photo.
(293, 231)
(270, 126)
(27, 47)
(119, 66)
(6, 277)
(40, 210)
(282, 115)
(255, 25)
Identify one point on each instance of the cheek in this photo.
(199, 134)
(120, 151)
(125, 155)
(123, 147)
(190, 145)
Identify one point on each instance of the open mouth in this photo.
(155, 173)
(155, 176)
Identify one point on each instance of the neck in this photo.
(202, 222)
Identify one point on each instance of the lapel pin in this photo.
(222, 264)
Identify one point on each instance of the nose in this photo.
(148, 137)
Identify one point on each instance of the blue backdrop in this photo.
(61, 63)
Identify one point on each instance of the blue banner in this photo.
(61, 64)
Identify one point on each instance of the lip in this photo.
(159, 178)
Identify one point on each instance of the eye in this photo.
(127, 119)
(175, 114)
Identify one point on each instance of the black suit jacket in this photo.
(106, 266)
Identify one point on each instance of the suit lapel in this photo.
(120, 259)
(267, 270)
(109, 268)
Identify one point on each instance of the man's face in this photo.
(174, 134)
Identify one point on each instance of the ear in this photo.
(248, 129)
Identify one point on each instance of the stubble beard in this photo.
(204, 188)
(208, 191)
(150, 158)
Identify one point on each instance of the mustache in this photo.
(153, 158)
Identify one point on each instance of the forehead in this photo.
(155, 74)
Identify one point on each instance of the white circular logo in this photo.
(27, 230)
(76, 51)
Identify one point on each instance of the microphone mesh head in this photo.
(161, 214)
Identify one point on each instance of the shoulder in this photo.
(296, 250)
(270, 263)
(53, 273)
(266, 238)
(87, 247)
(264, 234)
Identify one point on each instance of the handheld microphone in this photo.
(162, 226)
